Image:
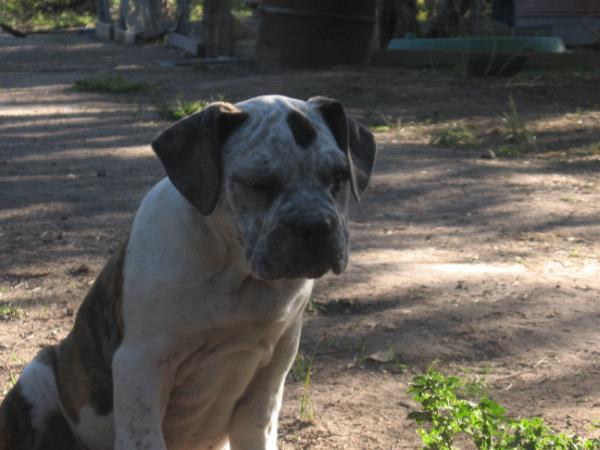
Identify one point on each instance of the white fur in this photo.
(39, 389)
(200, 334)
(97, 432)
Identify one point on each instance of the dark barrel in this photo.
(315, 33)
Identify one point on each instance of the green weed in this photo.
(63, 19)
(43, 14)
(380, 128)
(302, 369)
(302, 365)
(451, 409)
(242, 11)
(507, 150)
(180, 108)
(307, 407)
(196, 11)
(381, 123)
(9, 312)
(110, 85)
(456, 135)
(518, 137)
(588, 150)
(12, 378)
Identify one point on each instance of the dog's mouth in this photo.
(311, 268)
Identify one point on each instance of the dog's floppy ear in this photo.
(190, 151)
(353, 138)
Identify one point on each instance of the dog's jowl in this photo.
(185, 339)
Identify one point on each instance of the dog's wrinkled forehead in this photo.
(283, 131)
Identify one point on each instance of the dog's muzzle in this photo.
(316, 232)
(304, 244)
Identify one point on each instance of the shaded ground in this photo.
(490, 267)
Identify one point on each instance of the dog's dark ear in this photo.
(190, 151)
(353, 138)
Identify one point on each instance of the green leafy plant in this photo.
(482, 420)
(110, 85)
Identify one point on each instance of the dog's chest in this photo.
(208, 383)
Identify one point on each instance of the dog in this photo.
(185, 338)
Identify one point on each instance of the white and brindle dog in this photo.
(186, 337)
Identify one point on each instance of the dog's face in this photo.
(284, 169)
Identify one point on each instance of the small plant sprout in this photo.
(307, 407)
(302, 371)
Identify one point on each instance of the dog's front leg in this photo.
(254, 425)
(138, 384)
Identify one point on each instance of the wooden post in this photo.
(103, 11)
(217, 28)
(123, 13)
(182, 16)
(104, 23)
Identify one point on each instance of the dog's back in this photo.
(33, 416)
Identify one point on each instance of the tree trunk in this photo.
(217, 28)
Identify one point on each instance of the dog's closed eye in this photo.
(337, 179)
(260, 183)
(266, 187)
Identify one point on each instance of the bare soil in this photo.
(487, 267)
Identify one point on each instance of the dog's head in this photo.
(283, 168)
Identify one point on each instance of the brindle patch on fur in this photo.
(16, 429)
(57, 435)
(303, 131)
(83, 360)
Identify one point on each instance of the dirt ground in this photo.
(488, 267)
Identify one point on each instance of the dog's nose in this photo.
(311, 226)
